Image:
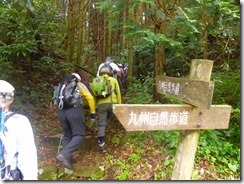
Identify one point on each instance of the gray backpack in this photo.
(68, 93)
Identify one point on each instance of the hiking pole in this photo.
(61, 137)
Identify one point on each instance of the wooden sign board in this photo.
(140, 117)
(194, 92)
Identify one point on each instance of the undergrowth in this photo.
(220, 148)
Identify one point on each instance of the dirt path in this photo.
(88, 155)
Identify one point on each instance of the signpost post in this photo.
(190, 119)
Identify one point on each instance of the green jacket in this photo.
(115, 96)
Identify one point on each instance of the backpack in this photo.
(6, 173)
(101, 87)
(107, 65)
(68, 93)
(2, 129)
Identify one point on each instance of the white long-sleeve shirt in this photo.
(18, 139)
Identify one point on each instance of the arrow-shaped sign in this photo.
(139, 117)
(194, 92)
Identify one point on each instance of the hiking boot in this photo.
(65, 161)
(102, 148)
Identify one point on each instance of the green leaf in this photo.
(233, 167)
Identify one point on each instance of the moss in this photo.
(88, 172)
(48, 173)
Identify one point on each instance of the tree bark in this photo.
(70, 32)
(80, 32)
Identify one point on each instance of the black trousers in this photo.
(72, 121)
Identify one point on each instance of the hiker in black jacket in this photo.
(72, 121)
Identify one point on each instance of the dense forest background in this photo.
(40, 41)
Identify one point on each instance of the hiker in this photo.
(104, 107)
(72, 121)
(18, 150)
(122, 78)
(113, 67)
(121, 67)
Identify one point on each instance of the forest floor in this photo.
(128, 156)
(122, 161)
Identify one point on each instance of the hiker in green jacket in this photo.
(104, 107)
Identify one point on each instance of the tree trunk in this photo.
(123, 31)
(160, 28)
(70, 32)
(130, 48)
(109, 39)
(80, 33)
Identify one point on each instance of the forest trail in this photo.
(88, 157)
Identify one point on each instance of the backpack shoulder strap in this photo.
(9, 116)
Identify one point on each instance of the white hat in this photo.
(77, 76)
(6, 87)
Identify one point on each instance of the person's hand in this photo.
(92, 116)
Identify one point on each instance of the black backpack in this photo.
(68, 93)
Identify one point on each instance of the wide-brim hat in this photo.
(6, 87)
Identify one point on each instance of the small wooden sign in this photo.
(194, 92)
(149, 117)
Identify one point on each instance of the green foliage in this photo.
(51, 27)
(227, 91)
(161, 174)
(140, 91)
(143, 58)
(37, 91)
(116, 140)
(20, 45)
(134, 157)
(137, 138)
(220, 152)
(219, 147)
(168, 138)
(6, 69)
(22, 21)
(124, 169)
(18, 37)
(227, 88)
(217, 19)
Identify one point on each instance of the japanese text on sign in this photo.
(169, 87)
(161, 118)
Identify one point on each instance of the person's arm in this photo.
(85, 92)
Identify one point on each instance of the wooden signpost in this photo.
(194, 92)
(138, 117)
(190, 119)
